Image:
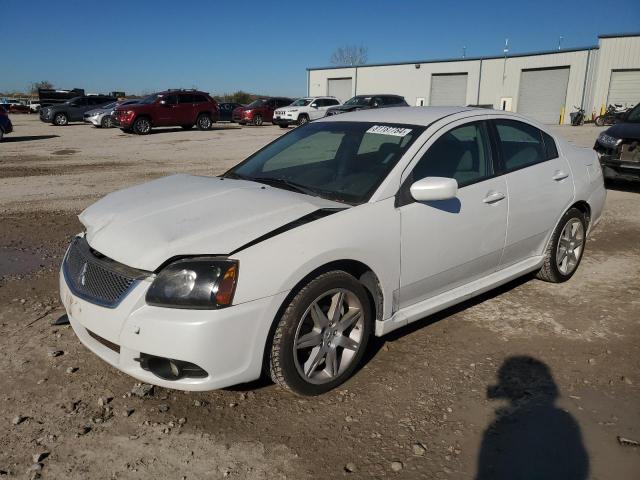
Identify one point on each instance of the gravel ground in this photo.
(529, 368)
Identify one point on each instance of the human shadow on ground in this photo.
(530, 438)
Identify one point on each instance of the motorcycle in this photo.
(614, 114)
(577, 118)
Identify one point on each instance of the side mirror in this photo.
(313, 105)
(434, 188)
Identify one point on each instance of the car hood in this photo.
(95, 111)
(625, 131)
(183, 215)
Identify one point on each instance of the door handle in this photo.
(560, 175)
(493, 197)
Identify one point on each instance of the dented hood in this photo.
(145, 225)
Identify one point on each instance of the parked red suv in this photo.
(259, 111)
(184, 108)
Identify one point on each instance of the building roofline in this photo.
(467, 59)
(619, 35)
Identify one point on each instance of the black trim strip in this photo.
(310, 217)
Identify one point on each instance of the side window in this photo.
(283, 102)
(550, 149)
(521, 144)
(171, 99)
(462, 153)
(320, 102)
(186, 98)
(332, 101)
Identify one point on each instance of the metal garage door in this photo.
(448, 89)
(340, 88)
(624, 87)
(543, 93)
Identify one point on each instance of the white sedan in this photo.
(351, 226)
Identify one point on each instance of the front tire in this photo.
(257, 120)
(599, 121)
(322, 335)
(565, 248)
(142, 126)
(106, 122)
(60, 119)
(204, 121)
(302, 119)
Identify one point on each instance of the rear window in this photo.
(521, 144)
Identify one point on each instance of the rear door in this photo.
(445, 244)
(539, 183)
(77, 109)
(186, 111)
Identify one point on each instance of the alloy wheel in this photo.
(143, 126)
(570, 246)
(328, 336)
(204, 122)
(257, 121)
(61, 119)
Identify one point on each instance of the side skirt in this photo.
(430, 306)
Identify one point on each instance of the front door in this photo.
(166, 111)
(445, 244)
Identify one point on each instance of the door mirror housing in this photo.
(314, 105)
(434, 188)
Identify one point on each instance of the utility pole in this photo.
(464, 51)
(505, 50)
(560, 42)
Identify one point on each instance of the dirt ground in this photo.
(529, 368)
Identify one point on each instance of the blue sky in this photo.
(265, 47)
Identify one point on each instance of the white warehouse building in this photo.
(543, 85)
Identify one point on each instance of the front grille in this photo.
(96, 278)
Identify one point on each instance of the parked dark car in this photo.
(184, 108)
(618, 147)
(226, 111)
(19, 108)
(365, 102)
(73, 110)
(5, 123)
(259, 111)
(51, 96)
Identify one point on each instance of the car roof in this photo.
(407, 115)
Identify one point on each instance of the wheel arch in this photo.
(362, 272)
(584, 207)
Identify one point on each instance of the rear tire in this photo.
(142, 126)
(322, 335)
(599, 121)
(60, 119)
(204, 121)
(565, 248)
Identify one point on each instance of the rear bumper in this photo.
(228, 343)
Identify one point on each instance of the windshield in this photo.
(72, 100)
(256, 103)
(342, 161)
(301, 102)
(634, 115)
(358, 101)
(109, 105)
(149, 99)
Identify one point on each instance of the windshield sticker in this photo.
(385, 130)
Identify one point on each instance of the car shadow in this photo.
(623, 185)
(377, 343)
(159, 130)
(530, 437)
(27, 138)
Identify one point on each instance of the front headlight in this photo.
(608, 140)
(203, 283)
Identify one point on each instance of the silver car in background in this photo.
(103, 117)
